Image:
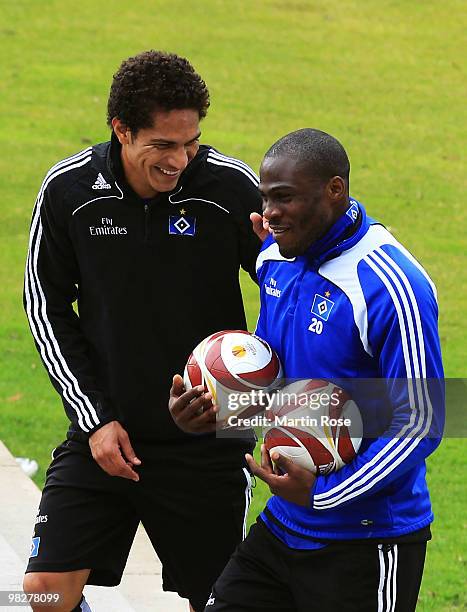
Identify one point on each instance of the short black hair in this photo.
(319, 151)
(154, 81)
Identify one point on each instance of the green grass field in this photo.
(386, 77)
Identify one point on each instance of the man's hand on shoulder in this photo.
(260, 226)
(284, 478)
(192, 410)
(112, 450)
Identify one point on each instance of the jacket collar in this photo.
(343, 235)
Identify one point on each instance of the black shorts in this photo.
(264, 574)
(192, 500)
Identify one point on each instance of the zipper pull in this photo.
(146, 222)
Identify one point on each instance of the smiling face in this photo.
(299, 207)
(154, 157)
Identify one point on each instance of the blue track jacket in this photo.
(362, 312)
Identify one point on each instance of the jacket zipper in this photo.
(296, 293)
(146, 222)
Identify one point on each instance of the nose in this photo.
(179, 158)
(271, 212)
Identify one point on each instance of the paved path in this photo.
(140, 589)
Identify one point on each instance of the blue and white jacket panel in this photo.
(368, 312)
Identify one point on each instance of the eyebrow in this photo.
(163, 141)
(274, 188)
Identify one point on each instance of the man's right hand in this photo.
(112, 450)
(192, 410)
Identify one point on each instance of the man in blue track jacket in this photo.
(353, 306)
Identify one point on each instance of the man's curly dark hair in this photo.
(154, 81)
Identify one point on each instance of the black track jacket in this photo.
(151, 279)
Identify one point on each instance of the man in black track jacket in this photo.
(147, 233)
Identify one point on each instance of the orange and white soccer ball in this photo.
(316, 424)
(231, 364)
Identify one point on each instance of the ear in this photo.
(122, 132)
(336, 188)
